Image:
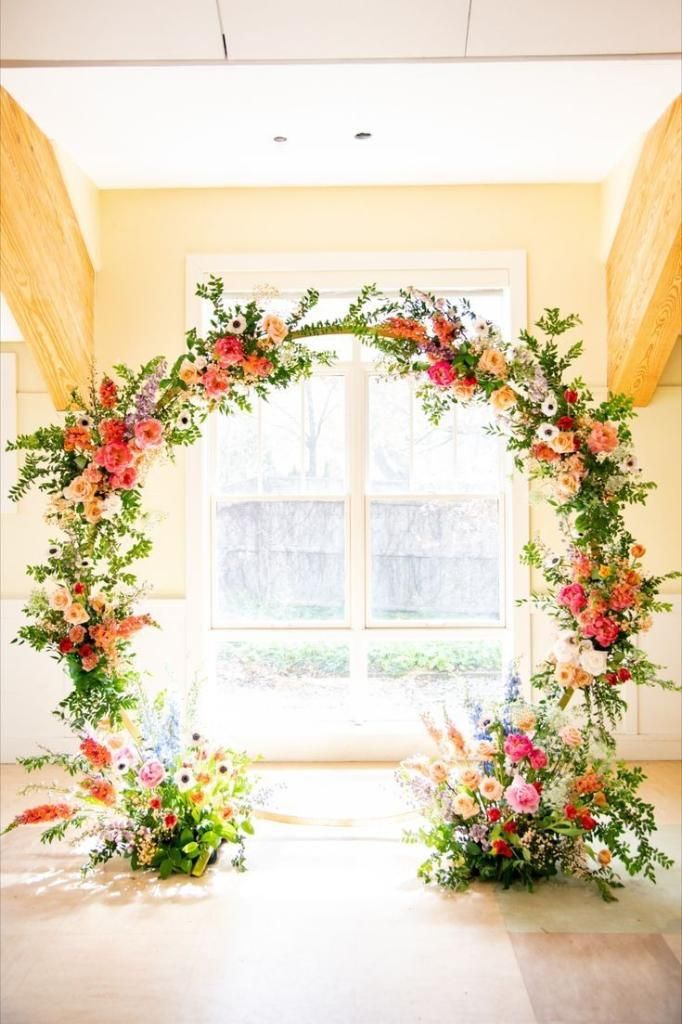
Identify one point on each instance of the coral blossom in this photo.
(573, 597)
(149, 433)
(96, 753)
(114, 457)
(228, 350)
(258, 366)
(400, 327)
(44, 812)
(112, 430)
(108, 393)
(77, 437)
(215, 382)
(603, 437)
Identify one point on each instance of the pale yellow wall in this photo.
(140, 306)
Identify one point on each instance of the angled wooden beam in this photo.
(644, 268)
(46, 273)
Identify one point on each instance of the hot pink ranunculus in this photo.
(151, 774)
(228, 350)
(517, 746)
(441, 373)
(215, 382)
(114, 457)
(522, 797)
(573, 597)
(602, 438)
(149, 433)
(603, 629)
(537, 758)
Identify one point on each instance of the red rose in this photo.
(565, 423)
(494, 814)
(510, 826)
(612, 678)
(65, 645)
(470, 382)
(624, 674)
(501, 848)
(537, 786)
(570, 811)
(587, 822)
(155, 803)
(85, 650)
(79, 588)
(570, 396)
(170, 820)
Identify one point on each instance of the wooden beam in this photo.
(47, 276)
(644, 268)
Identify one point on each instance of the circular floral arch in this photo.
(487, 795)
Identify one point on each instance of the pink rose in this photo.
(522, 797)
(228, 350)
(215, 382)
(571, 735)
(572, 597)
(149, 433)
(517, 746)
(114, 457)
(537, 758)
(151, 774)
(602, 438)
(125, 480)
(441, 373)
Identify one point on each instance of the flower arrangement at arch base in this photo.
(165, 805)
(529, 795)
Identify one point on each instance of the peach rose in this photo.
(59, 599)
(465, 806)
(464, 389)
(567, 485)
(188, 373)
(581, 679)
(97, 601)
(470, 778)
(274, 328)
(571, 735)
(92, 510)
(484, 750)
(75, 614)
(603, 437)
(565, 674)
(76, 635)
(79, 489)
(490, 788)
(503, 399)
(525, 720)
(438, 771)
(564, 442)
(493, 362)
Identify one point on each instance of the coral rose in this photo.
(638, 551)
(543, 453)
(125, 480)
(573, 597)
(114, 457)
(216, 382)
(229, 350)
(149, 433)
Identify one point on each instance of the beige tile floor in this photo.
(330, 926)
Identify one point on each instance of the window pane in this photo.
(478, 456)
(282, 452)
(389, 436)
(324, 436)
(267, 679)
(279, 561)
(236, 453)
(435, 561)
(407, 677)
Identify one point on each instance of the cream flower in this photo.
(484, 750)
(470, 778)
(525, 719)
(493, 362)
(188, 373)
(439, 771)
(275, 328)
(79, 489)
(571, 735)
(593, 661)
(75, 614)
(566, 649)
(490, 788)
(59, 599)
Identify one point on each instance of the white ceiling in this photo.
(193, 126)
(133, 30)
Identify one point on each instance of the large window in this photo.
(357, 560)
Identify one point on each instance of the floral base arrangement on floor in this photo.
(580, 453)
(164, 805)
(526, 796)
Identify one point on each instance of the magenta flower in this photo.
(441, 373)
(573, 597)
(517, 746)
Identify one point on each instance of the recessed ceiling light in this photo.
(280, 138)
(363, 135)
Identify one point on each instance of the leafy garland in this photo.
(94, 467)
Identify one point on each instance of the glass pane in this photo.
(236, 453)
(478, 456)
(267, 679)
(407, 677)
(435, 561)
(324, 436)
(279, 561)
(282, 452)
(433, 462)
(389, 436)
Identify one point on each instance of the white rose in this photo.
(593, 661)
(566, 649)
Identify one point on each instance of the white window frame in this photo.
(475, 270)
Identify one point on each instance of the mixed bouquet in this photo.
(162, 804)
(529, 795)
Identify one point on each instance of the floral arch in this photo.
(524, 790)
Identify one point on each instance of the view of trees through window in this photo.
(357, 550)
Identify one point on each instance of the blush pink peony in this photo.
(151, 774)
(522, 797)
